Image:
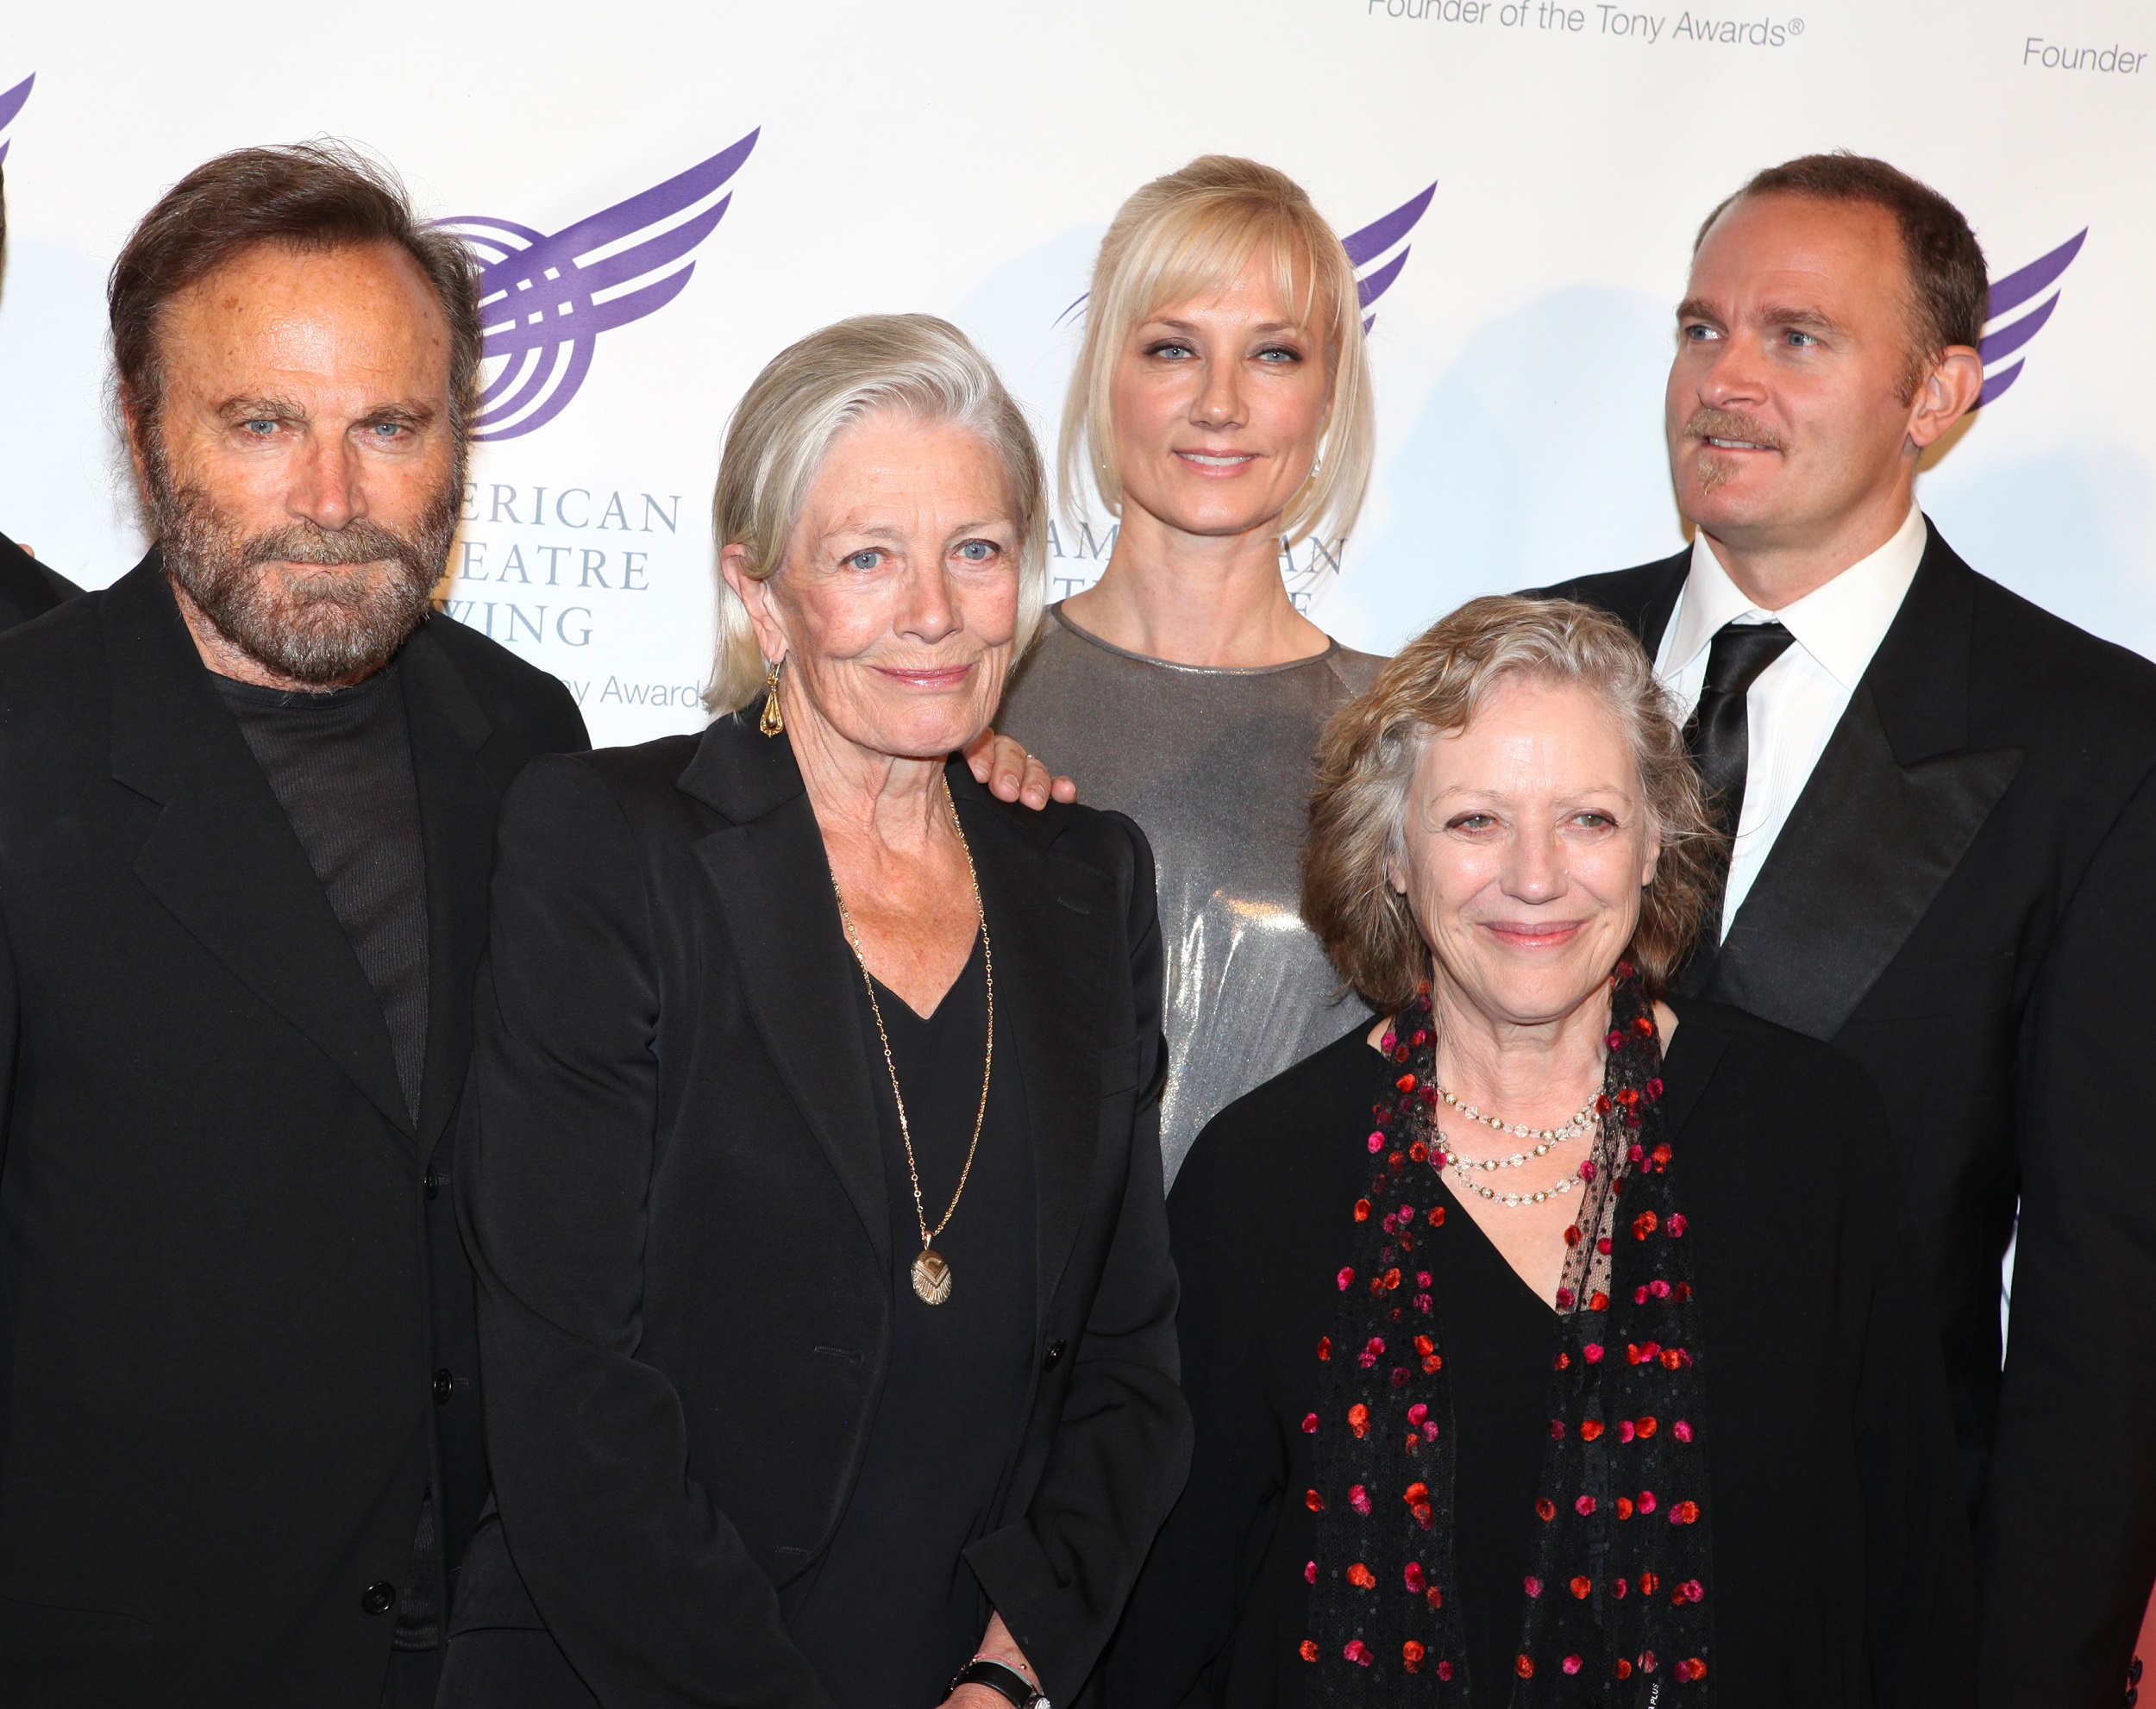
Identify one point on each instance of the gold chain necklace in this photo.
(931, 1270)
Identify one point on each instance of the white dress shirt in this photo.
(1797, 700)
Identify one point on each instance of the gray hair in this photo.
(1436, 683)
(809, 394)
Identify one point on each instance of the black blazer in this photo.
(676, 1203)
(27, 588)
(237, 1332)
(1964, 898)
(1842, 1562)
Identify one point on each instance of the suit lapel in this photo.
(1047, 921)
(1890, 809)
(1695, 1051)
(222, 858)
(772, 880)
(1660, 587)
(461, 775)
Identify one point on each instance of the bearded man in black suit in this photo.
(247, 797)
(1944, 806)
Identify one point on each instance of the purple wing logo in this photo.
(544, 298)
(11, 103)
(2007, 330)
(1374, 278)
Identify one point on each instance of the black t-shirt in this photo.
(340, 762)
(895, 1610)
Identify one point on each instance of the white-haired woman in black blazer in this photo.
(827, 1319)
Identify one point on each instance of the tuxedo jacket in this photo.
(27, 588)
(236, 1335)
(1964, 898)
(676, 1202)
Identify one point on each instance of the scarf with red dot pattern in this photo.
(1617, 1609)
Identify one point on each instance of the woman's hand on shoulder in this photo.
(1012, 774)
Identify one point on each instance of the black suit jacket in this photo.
(675, 1199)
(232, 1281)
(27, 588)
(1964, 898)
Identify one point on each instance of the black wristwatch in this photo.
(1002, 1678)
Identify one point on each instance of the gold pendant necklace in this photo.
(931, 1270)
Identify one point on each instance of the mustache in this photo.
(359, 541)
(1729, 424)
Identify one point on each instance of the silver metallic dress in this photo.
(1216, 767)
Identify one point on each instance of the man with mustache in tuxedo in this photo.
(1944, 807)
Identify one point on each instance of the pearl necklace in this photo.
(1513, 1200)
(1549, 1136)
(1545, 1140)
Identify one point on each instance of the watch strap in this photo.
(1000, 1677)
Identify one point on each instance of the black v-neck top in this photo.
(895, 1610)
(1843, 1570)
(1497, 1337)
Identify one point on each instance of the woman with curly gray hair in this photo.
(1557, 1384)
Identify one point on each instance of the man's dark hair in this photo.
(1949, 291)
(308, 196)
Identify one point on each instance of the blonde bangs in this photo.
(1188, 237)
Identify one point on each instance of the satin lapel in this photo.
(773, 886)
(1662, 587)
(1050, 919)
(1890, 809)
(460, 779)
(222, 858)
(1641, 598)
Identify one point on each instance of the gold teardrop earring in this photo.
(773, 723)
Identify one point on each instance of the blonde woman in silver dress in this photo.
(1221, 406)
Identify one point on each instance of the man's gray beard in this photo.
(325, 629)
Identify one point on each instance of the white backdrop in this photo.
(963, 156)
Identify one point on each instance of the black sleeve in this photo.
(11, 1034)
(1919, 1565)
(1059, 1576)
(642, 1581)
(562, 729)
(1173, 1648)
(27, 588)
(2067, 1527)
